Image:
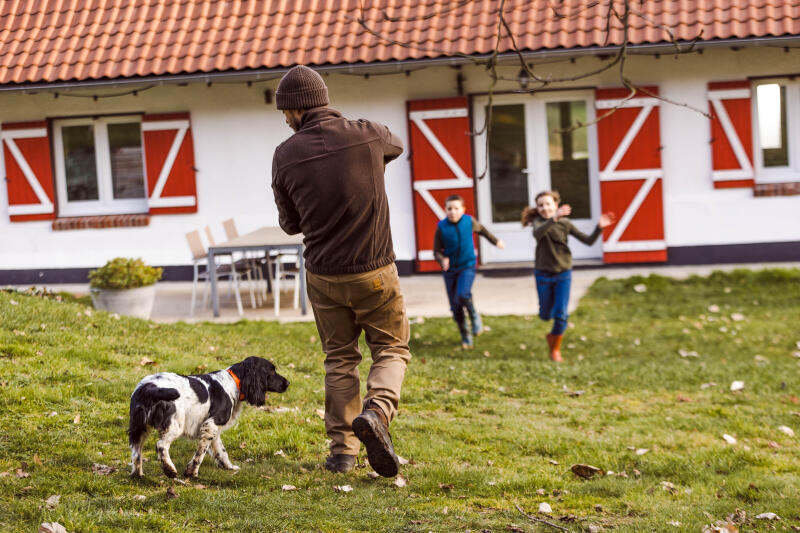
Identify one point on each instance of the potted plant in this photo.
(125, 286)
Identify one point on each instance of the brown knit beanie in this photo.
(301, 88)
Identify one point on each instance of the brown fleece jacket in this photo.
(328, 184)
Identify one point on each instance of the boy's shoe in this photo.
(372, 428)
(340, 463)
(466, 338)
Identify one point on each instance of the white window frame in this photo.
(791, 172)
(106, 204)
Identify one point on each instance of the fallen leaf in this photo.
(343, 488)
(553, 462)
(201, 367)
(400, 481)
(139, 497)
(77, 419)
(642, 451)
(737, 386)
(545, 508)
(683, 399)
(200, 486)
(36, 459)
(574, 393)
(787, 430)
(52, 501)
(21, 473)
(773, 444)
(52, 527)
(487, 354)
(640, 288)
(320, 413)
(446, 486)
(720, 526)
(768, 516)
(515, 529)
(146, 361)
(728, 438)
(171, 494)
(674, 523)
(669, 487)
(279, 452)
(586, 471)
(372, 474)
(737, 317)
(102, 470)
(713, 308)
(687, 353)
(705, 386)
(288, 487)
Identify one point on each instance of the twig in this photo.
(539, 520)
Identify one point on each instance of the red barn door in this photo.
(441, 165)
(631, 176)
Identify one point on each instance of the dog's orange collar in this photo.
(236, 380)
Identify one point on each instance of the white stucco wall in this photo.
(235, 133)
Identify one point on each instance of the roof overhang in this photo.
(390, 67)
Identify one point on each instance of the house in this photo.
(125, 125)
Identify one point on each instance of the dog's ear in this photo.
(254, 374)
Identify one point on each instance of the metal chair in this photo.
(243, 265)
(286, 270)
(223, 271)
(257, 262)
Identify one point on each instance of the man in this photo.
(328, 184)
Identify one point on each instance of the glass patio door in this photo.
(531, 148)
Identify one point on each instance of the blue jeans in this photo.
(553, 289)
(458, 282)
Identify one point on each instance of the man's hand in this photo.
(446, 264)
(500, 244)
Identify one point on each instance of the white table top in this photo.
(266, 236)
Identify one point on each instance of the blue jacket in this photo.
(457, 241)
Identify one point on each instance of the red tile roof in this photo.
(78, 40)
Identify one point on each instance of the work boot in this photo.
(475, 318)
(372, 428)
(340, 463)
(554, 342)
(466, 337)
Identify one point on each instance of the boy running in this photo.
(454, 250)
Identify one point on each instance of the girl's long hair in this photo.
(530, 213)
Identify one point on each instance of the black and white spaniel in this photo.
(199, 407)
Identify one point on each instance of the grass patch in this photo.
(486, 429)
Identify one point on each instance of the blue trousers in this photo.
(458, 282)
(553, 289)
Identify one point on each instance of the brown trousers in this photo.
(344, 305)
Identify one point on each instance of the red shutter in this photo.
(630, 176)
(169, 162)
(441, 165)
(731, 134)
(29, 171)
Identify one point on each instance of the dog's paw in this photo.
(136, 474)
(169, 472)
(234, 468)
(190, 472)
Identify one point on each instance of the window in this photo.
(99, 166)
(777, 131)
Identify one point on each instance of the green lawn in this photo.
(486, 431)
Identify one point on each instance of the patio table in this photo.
(263, 239)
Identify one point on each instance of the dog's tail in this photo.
(150, 405)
